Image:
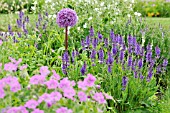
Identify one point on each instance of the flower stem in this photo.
(66, 39)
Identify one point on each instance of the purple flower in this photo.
(99, 98)
(141, 76)
(106, 42)
(140, 63)
(83, 44)
(124, 82)
(149, 56)
(83, 69)
(101, 55)
(31, 104)
(114, 49)
(130, 40)
(94, 42)
(88, 41)
(165, 63)
(157, 50)
(91, 31)
(110, 59)
(130, 49)
(93, 54)
(109, 68)
(158, 69)
(135, 74)
(112, 35)
(100, 36)
(130, 60)
(82, 96)
(64, 110)
(66, 17)
(64, 84)
(121, 55)
(150, 73)
(89, 80)
(120, 40)
(137, 49)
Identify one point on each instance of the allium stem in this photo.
(66, 38)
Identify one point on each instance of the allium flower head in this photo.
(66, 17)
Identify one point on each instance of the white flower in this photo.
(129, 15)
(102, 4)
(78, 28)
(47, 1)
(89, 18)
(33, 8)
(85, 25)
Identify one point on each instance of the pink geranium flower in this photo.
(99, 98)
(89, 80)
(2, 92)
(51, 84)
(55, 75)
(10, 67)
(82, 96)
(56, 96)
(69, 93)
(44, 71)
(64, 110)
(31, 104)
(82, 85)
(37, 111)
(37, 79)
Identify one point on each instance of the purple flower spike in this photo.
(109, 68)
(88, 41)
(149, 56)
(121, 56)
(66, 17)
(130, 40)
(94, 42)
(157, 51)
(91, 31)
(101, 55)
(83, 69)
(114, 49)
(150, 73)
(130, 60)
(141, 76)
(112, 34)
(140, 63)
(124, 82)
(120, 40)
(106, 42)
(165, 63)
(137, 49)
(109, 60)
(100, 36)
(93, 54)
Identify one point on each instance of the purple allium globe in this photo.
(66, 17)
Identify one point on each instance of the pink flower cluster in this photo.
(12, 82)
(54, 83)
(13, 65)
